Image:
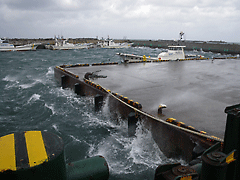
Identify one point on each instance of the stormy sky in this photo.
(133, 19)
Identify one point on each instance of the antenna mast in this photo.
(181, 35)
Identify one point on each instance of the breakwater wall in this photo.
(213, 46)
(51, 41)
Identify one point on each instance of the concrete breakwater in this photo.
(40, 42)
(213, 46)
(51, 41)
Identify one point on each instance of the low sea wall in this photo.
(213, 46)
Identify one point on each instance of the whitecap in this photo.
(26, 86)
(56, 127)
(34, 97)
(143, 149)
(50, 71)
(51, 107)
(29, 85)
(12, 81)
(10, 78)
(11, 85)
(138, 150)
(74, 138)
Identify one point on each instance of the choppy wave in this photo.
(14, 82)
(31, 100)
(50, 71)
(56, 128)
(29, 85)
(10, 78)
(124, 154)
(51, 107)
(34, 97)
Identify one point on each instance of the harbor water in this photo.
(30, 99)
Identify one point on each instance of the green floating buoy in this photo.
(91, 168)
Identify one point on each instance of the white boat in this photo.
(110, 44)
(174, 53)
(84, 45)
(63, 44)
(5, 46)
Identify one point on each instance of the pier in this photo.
(195, 98)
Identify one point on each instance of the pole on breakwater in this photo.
(132, 123)
(64, 81)
(98, 100)
(78, 89)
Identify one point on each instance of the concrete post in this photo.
(98, 102)
(132, 124)
(64, 81)
(79, 89)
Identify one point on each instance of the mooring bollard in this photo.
(175, 172)
(160, 108)
(64, 81)
(91, 168)
(32, 155)
(132, 123)
(98, 100)
(232, 139)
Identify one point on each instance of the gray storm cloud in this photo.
(135, 19)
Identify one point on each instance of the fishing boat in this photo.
(110, 44)
(6, 46)
(174, 53)
(63, 44)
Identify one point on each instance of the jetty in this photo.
(181, 102)
(194, 113)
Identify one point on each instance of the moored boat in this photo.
(110, 44)
(174, 53)
(63, 44)
(6, 46)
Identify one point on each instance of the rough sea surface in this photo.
(30, 99)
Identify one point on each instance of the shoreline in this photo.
(207, 46)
